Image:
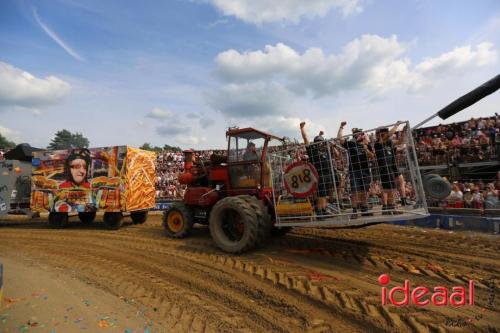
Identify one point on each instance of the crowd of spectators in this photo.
(472, 194)
(476, 140)
(170, 164)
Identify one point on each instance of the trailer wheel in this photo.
(113, 220)
(233, 224)
(278, 232)
(139, 217)
(178, 221)
(435, 186)
(87, 217)
(58, 220)
(263, 217)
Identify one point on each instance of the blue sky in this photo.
(181, 72)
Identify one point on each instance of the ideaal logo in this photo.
(439, 296)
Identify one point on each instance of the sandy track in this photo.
(310, 280)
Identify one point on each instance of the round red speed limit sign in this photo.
(301, 179)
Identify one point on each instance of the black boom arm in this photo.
(466, 100)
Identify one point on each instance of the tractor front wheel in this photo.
(234, 226)
(113, 220)
(58, 220)
(178, 221)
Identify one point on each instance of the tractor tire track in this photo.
(310, 280)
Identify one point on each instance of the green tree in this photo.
(148, 146)
(65, 140)
(168, 147)
(6, 144)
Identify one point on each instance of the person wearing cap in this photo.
(360, 153)
(318, 155)
(76, 168)
(319, 137)
(388, 171)
(252, 170)
(251, 152)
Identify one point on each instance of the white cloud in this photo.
(280, 126)
(193, 115)
(286, 126)
(56, 38)
(190, 140)
(157, 113)
(369, 63)
(10, 134)
(459, 60)
(250, 100)
(202, 120)
(360, 63)
(206, 122)
(171, 129)
(21, 89)
(262, 11)
(235, 66)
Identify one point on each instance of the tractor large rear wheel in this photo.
(233, 224)
(263, 217)
(178, 221)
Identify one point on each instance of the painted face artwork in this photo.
(78, 170)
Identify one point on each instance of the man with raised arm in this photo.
(318, 155)
(390, 176)
(360, 153)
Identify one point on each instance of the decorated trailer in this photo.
(113, 180)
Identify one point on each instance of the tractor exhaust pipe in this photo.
(187, 177)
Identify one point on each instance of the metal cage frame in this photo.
(338, 173)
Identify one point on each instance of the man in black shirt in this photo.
(360, 153)
(388, 170)
(317, 153)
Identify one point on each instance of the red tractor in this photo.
(232, 193)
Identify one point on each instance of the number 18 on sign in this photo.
(301, 179)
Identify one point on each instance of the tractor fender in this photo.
(201, 196)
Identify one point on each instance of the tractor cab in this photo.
(247, 158)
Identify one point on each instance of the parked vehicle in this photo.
(114, 180)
